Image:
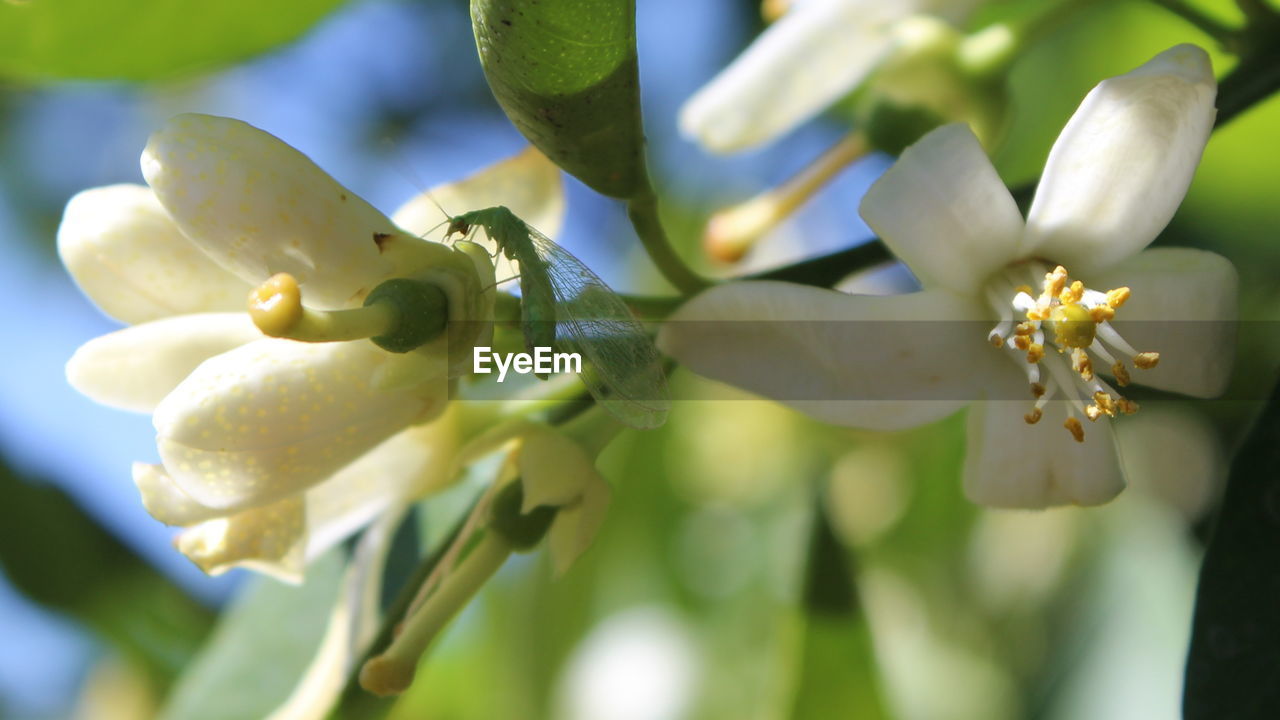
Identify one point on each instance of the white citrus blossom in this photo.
(272, 449)
(818, 51)
(1113, 180)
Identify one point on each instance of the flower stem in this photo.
(392, 672)
(1225, 35)
(643, 212)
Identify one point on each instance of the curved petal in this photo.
(134, 368)
(413, 462)
(1011, 464)
(1124, 161)
(802, 63)
(267, 539)
(575, 526)
(260, 207)
(943, 209)
(1183, 306)
(527, 183)
(132, 261)
(165, 501)
(881, 363)
(554, 469)
(267, 419)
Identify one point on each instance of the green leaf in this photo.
(63, 559)
(260, 649)
(565, 72)
(836, 669)
(143, 39)
(1232, 670)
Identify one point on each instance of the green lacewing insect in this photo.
(565, 305)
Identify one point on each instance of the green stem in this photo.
(1252, 81)
(643, 212)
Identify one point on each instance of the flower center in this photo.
(1079, 319)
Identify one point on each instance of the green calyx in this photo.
(422, 312)
(523, 531)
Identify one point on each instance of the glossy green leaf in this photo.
(143, 39)
(260, 648)
(1232, 670)
(565, 72)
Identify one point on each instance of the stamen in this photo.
(1073, 425)
(1146, 360)
(1035, 353)
(1121, 374)
(1034, 416)
(1117, 297)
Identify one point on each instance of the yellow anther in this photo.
(1055, 281)
(1093, 412)
(1024, 328)
(1033, 417)
(1126, 406)
(1075, 428)
(1022, 342)
(1121, 374)
(1073, 325)
(1104, 402)
(1035, 353)
(1081, 363)
(1146, 360)
(1037, 390)
(1117, 297)
(997, 341)
(1102, 313)
(276, 305)
(1073, 293)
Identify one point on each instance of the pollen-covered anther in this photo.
(1102, 313)
(1117, 297)
(1121, 374)
(1024, 328)
(1037, 390)
(276, 305)
(1093, 412)
(1034, 416)
(1022, 342)
(996, 340)
(1055, 281)
(1073, 293)
(1105, 403)
(1146, 360)
(1073, 426)
(1081, 363)
(1126, 406)
(1035, 353)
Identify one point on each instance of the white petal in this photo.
(165, 501)
(1011, 464)
(1173, 454)
(873, 362)
(943, 209)
(797, 67)
(575, 526)
(134, 368)
(260, 207)
(268, 539)
(528, 184)
(1183, 306)
(553, 468)
(275, 416)
(412, 463)
(1123, 163)
(129, 257)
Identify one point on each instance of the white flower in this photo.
(272, 449)
(1113, 180)
(817, 52)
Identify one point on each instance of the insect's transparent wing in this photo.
(620, 365)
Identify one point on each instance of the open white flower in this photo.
(1113, 180)
(817, 52)
(272, 449)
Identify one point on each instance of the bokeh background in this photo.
(687, 606)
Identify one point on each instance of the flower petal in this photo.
(553, 468)
(575, 526)
(130, 258)
(267, 539)
(260, 207)
(943, 209)
(165, 501)
(802, 63)
(412, 463)
(528, 184)
(883, 363)
(134, 368)
(267, 419)
(1123, 163)
(1183, 305)
(1011, 464)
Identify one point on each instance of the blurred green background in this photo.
(696, 600)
